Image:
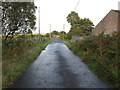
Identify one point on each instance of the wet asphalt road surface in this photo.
(58, 67)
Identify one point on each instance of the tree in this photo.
(29, 31)
(86, 25)
(47, 35)
(73, 18)
(62, 32)
(18, 17)
(62, 35)
(75, 31)
(79, 26)
(55, 32)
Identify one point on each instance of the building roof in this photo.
(108, 14)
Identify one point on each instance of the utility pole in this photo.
(39, 21)
(63, 30)
(50, 31)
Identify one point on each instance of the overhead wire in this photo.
(77, 5)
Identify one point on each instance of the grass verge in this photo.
(0, 63)
(102, 55)
(17, 57)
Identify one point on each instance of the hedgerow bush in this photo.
(18, 55)
(102, 54)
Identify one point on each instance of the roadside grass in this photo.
(18, 56)
(0, 62)
(0, 41)
(102, 55)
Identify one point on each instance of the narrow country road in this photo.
(58, 67)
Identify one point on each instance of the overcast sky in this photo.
(54, 12)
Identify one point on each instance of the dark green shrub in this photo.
(102, 54)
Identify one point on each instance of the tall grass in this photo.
(102, 54)
(18, 56)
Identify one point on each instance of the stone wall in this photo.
(78, 38)
(109, 24)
